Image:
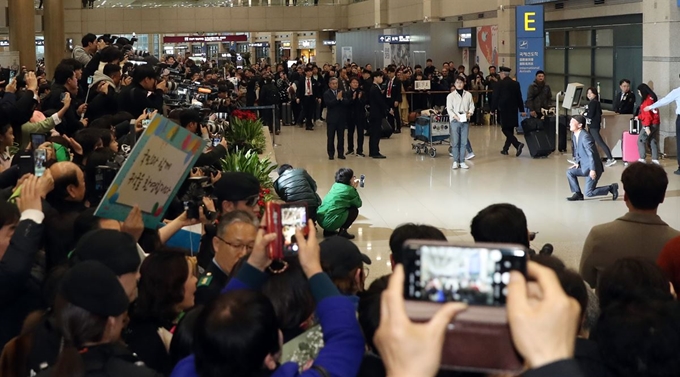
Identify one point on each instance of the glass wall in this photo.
(578, 52)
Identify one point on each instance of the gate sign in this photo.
(530, 45)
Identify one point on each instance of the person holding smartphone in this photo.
(340, 207)
(460, 107)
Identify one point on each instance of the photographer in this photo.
(144, 92)
(223, 103)
(65, 81)
(191, 120)
(103, 92)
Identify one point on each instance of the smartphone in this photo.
(39, 162)
(284, 220)
(11, 76)
(362, 180)
(145, 123)
(37, 140)
(150, 110)
(90, 80)
(474, 274)
(216, 141)
(62, 96)
(25, 163)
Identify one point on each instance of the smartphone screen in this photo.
(293, 216)
(37, 140)
(150, 110)
(145, 123)
(476, 275)
(216, 141)
(39, 161)
(90, 80)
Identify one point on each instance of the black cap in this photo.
(339, 256)
(580, 119)
(236, 186)
(94, 287)
(504, 69)
(115, 250)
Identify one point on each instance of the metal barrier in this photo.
(273, 109)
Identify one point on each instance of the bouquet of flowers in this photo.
(244, 115)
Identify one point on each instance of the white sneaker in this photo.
(610, 163)
(656, 162)
(450, 154)
(464, 166)
(470, 156)
(454, 166)
(641, 160)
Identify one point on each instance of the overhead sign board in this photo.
(332, 43)
(205, 38)
(394, 39)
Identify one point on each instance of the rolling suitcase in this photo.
(538, 143)
(550, 129)
(286, 114)
(630, 149)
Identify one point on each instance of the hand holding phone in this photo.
(259, 257)
(284, 220)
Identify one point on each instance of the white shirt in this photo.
(670, 97)
(456, 104)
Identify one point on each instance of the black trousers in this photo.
(331, 130)
(677, 139)
(595, 133)
(353, 213)
(308, 109)
(510, 138)
(374, 131)
(356, 123)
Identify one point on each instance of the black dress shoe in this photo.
(361, 154)
(614, 189)
(309, 129)
(331, 158)
(504, 152)
(343, 233)
(519, 149)
(577, 196)
(342, 157)
(378, 156)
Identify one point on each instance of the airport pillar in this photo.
(55, 38)
(661, 58)
(22, 31)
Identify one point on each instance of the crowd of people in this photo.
(89, 296)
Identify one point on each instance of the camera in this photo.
(193, 198)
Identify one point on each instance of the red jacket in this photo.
(648, 118)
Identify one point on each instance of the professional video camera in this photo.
(197, 188)
(105, 174)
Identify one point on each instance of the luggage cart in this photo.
(430, 131)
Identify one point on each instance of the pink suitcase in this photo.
(630, 149)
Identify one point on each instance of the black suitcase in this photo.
(561, 131)
(286, 114)
(386, 129)
(532, 124)
(538, 143)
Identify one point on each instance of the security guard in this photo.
(235, 238)
(507, 100)
(101, 355)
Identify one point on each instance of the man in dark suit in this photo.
(337, 103)
(235, 238)
(393, 98)
(624, 101)
(587, 164)
(308, 95)
(377, 113)
(507, 100)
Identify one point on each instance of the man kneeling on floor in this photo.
(587, 164)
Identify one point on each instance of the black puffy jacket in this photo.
(295, 185)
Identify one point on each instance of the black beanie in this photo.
(92, 286)
(116, 250)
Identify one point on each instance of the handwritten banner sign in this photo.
(152, 174)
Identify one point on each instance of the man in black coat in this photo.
(65, 81)
(296, 185)
(393, 98)
(624, 101)
(377, 113)
(337, 102)
(308, 95)
(144, 92)
(507, 100)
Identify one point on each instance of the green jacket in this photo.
(29, 128)
(333, 210)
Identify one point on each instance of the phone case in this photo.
(275, 225)
(477, 340)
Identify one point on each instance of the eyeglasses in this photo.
(248, 248)
(251, 201)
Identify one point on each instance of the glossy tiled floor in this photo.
(407, 187)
